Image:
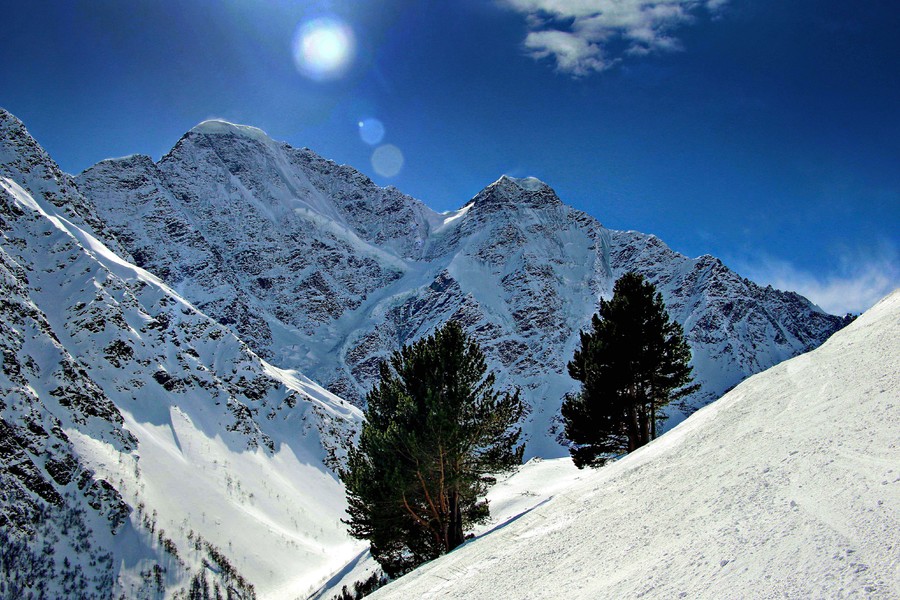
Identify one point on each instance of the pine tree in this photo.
(435, 433)
(631, 364)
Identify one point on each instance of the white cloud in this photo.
(573, 54)
(859, 279)
(580, 34)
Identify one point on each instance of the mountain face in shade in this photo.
(320, 270)
(133, 426)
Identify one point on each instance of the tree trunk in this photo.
(455, 534)
(634, 430)
(645, 424)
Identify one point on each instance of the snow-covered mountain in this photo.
(320, 270)
(144, 449)
(156, 433)
(786, 487)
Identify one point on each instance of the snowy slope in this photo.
(320, 270)
(787, 487)
(143, 447)
(531, 485)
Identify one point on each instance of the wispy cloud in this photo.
(859, 279)
(586, 36)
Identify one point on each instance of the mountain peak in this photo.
(13, 131)
(517, 191)
(221, 127)
(139, 160)
(6, 116)
(528, 184)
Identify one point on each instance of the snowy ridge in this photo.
(140, 439)
(23, 160)
(248, 230)
(321, 271)
(788, 486)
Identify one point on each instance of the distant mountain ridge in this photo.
(319, 269)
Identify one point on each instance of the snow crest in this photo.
(220, 127)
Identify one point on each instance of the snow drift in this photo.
(788, 486)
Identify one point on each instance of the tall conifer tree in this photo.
(435, 432)
(631, 364)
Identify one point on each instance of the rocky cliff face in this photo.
(129, 420)
(321, 270)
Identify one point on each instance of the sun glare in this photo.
(371, 131)
(387, 160)
(323, 48)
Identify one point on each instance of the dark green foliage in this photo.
(435, 430)
(361, 589)
(235, 586)
(631, 364)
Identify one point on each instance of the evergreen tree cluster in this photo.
(361, 589)
(436, 432)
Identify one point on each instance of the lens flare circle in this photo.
(387, 160)
(323, 48)
(371, 131)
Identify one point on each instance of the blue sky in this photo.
(764, 132)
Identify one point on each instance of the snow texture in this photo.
(786, 487)
(515, 494)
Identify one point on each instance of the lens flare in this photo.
(371, 131)
(323, 48)
(387, 160)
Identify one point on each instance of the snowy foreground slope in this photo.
(144, 449)
(787, 487)
(320, 270)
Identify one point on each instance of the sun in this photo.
(324, 48)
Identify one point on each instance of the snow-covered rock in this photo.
(320, 270)
(787, 487)
(23, 160)
(143, 447)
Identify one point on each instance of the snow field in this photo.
(276, 517)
